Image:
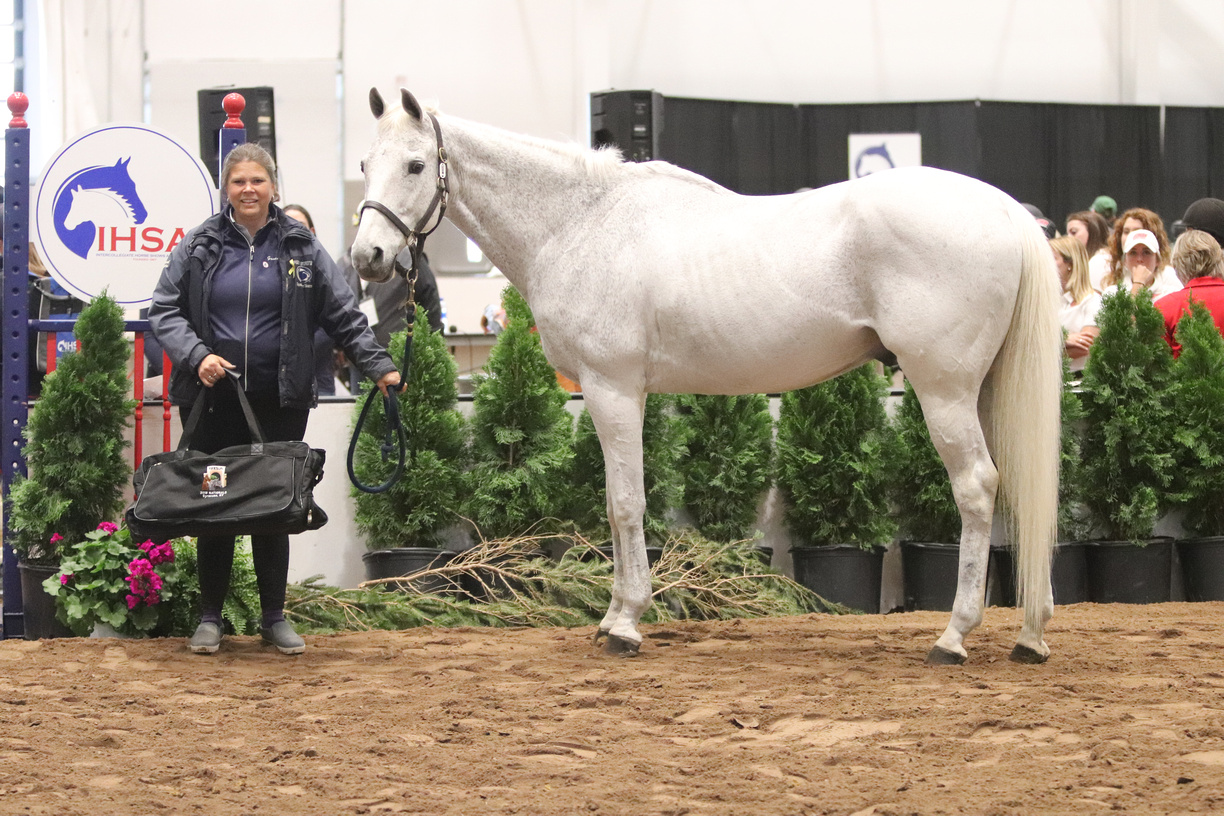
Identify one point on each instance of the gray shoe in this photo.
(282, 636)
(206, 640)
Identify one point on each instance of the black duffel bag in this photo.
(264, 488)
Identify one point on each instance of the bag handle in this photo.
(197, 411)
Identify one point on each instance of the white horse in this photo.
(648, 278)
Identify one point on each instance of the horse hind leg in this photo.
(617, 416)
(956, 431)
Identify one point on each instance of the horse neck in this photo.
(511, 193)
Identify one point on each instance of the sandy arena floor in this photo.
(808, 715)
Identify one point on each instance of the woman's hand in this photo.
(388, 380)
(211, 368)
(1078, 344)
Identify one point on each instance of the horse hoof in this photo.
(621, 647)
(599, 635)
(939, 656)
(1023, 654)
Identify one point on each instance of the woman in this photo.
(1092, 230)
(1080, 302)
(1200, 264)
(324, 346)
(243, 293)
(1164, 278)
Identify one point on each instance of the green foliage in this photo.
(694, 579)
(75, 447)
(922, 490)
(1128, 443)
(95, 583)
(663, 441)
(835, 447)
(1198, 398)
(1070, 523)
(240, 609)
(425, 499)
(726, 463)
(521, 432)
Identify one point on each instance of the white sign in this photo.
(110, 207)
(873, 152)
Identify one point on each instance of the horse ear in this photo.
(410, 104)
(376, 103)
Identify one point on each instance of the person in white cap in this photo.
(1141, 266)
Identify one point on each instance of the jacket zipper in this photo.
(246, 341)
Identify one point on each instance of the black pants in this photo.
(222, 426)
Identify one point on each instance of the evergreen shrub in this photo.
(1129, 423)
(426, 498)
(77, 469)
(834, 451)
(922, 491)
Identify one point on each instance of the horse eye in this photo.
(362, 166)
(416, 167)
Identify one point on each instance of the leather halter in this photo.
(416, 236)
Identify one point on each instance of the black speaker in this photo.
(258, 116)
(630, 120)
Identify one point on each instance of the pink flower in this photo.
(132, 601)
(108, 527)
(56, 538)
(157, 553)
(65, 578)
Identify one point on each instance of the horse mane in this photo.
(602, 164)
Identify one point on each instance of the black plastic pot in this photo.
(38, 608)
(930, 572)
(1202, 561)
(1068, 574)
(405, 561)
(841, 573)
(1123, 572)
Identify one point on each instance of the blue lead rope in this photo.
(395, 438)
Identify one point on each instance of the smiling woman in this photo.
(243, 295)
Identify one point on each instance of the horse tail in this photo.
(1024, 418)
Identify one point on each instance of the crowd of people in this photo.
(1102, 252)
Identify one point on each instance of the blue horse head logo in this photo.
(103, 194)
(873, 160)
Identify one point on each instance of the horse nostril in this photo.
(376, 256)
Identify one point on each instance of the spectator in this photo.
(1080, 302)
(1092, 230)
(1106, 207)
(1047, 226)
(1200, 264)
(1206, 214)
(1163, 279)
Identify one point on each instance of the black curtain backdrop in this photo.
(1058, 157)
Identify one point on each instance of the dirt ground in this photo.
(806, 715)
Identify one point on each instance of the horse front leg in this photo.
(617, 416)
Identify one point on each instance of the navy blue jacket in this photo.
(313, 295)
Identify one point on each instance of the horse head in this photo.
(402, 175)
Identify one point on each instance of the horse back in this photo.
(709, 291)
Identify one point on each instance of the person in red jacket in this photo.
(1199, 262)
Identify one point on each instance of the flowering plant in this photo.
(109, 579)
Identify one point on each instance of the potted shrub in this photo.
(726, 463)
(1128, 452)
(929, 520)
(522, 432)
(662, 447)
(402, 526)
(834, 450)
(77, 470)
(1198, 395)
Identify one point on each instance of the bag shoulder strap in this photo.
(197, 411)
